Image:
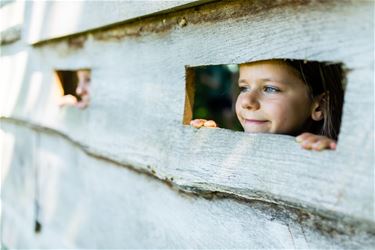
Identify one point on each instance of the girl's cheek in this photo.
(277, 111)
(238, 109)
(238, 101)
(273, 104)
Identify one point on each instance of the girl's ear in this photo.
(317, 111)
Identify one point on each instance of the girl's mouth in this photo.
(255, 122)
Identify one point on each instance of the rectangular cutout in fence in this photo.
(280, 96)
(74, 86)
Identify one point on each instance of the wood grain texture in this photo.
(138, 94)
(18, 150)
(12, 17)
(136, 211)
(50, 20)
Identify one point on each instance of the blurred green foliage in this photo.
(215, 95)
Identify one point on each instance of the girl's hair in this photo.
(327, 79)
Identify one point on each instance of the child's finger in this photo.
(320, 145)
(68, 100)
(332, 145)
(210, 124)
(324, 143)
(309, 141)
(197, 123)
(315, 142)
(303, 136)
(81, 105)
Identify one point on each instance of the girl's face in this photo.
(273, 98)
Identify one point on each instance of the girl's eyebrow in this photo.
(262, 80)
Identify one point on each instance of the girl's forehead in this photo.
(271, 68)
(273, 65)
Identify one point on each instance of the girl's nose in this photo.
(81, 88)
(250, 100)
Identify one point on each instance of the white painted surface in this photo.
(52, 19)
(11, 15)
(135, 119)
(90, 203)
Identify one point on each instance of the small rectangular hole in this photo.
(74, 87)
(68, 81)
(212, 92)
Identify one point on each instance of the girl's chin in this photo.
(257, 128)
(256, 131)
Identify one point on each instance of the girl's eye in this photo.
(271, 89)
(244, 89)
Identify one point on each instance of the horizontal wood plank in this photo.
(84, 197)
(53, 19)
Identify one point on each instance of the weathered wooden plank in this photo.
(18, 149)
(53, 19)
(84, 197)
(11, 19)
(12, 14)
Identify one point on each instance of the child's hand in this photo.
(315, 142)
(197, 123)
(67, 100)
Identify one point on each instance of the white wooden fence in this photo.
(127, 173)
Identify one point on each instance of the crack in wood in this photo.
(329, 223)
(207, 11)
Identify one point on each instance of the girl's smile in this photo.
(255, 122)
(252, 125)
